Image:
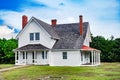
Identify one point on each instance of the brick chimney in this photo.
(24, 21)
(81, 24)
(53, 22)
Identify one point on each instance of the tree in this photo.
(6, 50)
(110, 49)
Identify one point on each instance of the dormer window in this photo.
(37, 36)
(34, 36)
(31, 36)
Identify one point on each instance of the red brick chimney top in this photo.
(81, 24)
(24, 21)
(53, 22)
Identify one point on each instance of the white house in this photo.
(56, 44)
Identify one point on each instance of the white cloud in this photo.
(7, 33)
(99, 13)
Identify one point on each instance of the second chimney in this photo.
(81, 24)
(53, 22)
(24, 21)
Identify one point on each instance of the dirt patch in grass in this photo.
(109, 75)
(112, 74)
(50, 78)
(115, 79)
(87, 74)
(113, 69)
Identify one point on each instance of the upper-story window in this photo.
(31, 36)
(34, 36)
(37, 36)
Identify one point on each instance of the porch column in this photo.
(35, 57)
(99, 57)
(15, 56)
(19, 57)
(25, 58)
(92, 56)
(95, 57)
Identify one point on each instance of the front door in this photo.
(29, 57)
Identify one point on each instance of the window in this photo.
(64, 55)
(31, 36)
(26, 55)
(17, 55)
(23, 55)
(37, 36)
(34, 36)
(33, 55)
(44, 54)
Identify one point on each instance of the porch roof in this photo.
(32, 47)
(87, 48)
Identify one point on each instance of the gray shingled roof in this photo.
(48, 28)
(32, 47)
(69, 36)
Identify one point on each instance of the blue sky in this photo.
(103, 15)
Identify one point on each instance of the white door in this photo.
(29, 57)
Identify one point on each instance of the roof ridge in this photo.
(71, 23)
(40, 20)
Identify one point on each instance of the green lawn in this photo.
(6, 65)
(106, 71)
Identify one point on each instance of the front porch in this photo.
(31, 54)
(90, 56)
(31, 57)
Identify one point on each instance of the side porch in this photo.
(90, 56)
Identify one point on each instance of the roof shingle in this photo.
(69, 36)
(32, 47)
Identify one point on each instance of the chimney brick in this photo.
(53, 22)
(24, 21)
(81, 24)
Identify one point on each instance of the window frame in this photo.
(43, 57)
(37, 36)
(31, 36)
(23, 55)
(17, 56)
(64, 54)
(44, 54)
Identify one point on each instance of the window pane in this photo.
(46, 55)
(23, 55)
(64, 55)
(42, 54)
(37, 36)
(26, 55)
(31, 36)
(17, 55)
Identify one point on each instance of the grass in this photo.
(106, 71)
(6, 65)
